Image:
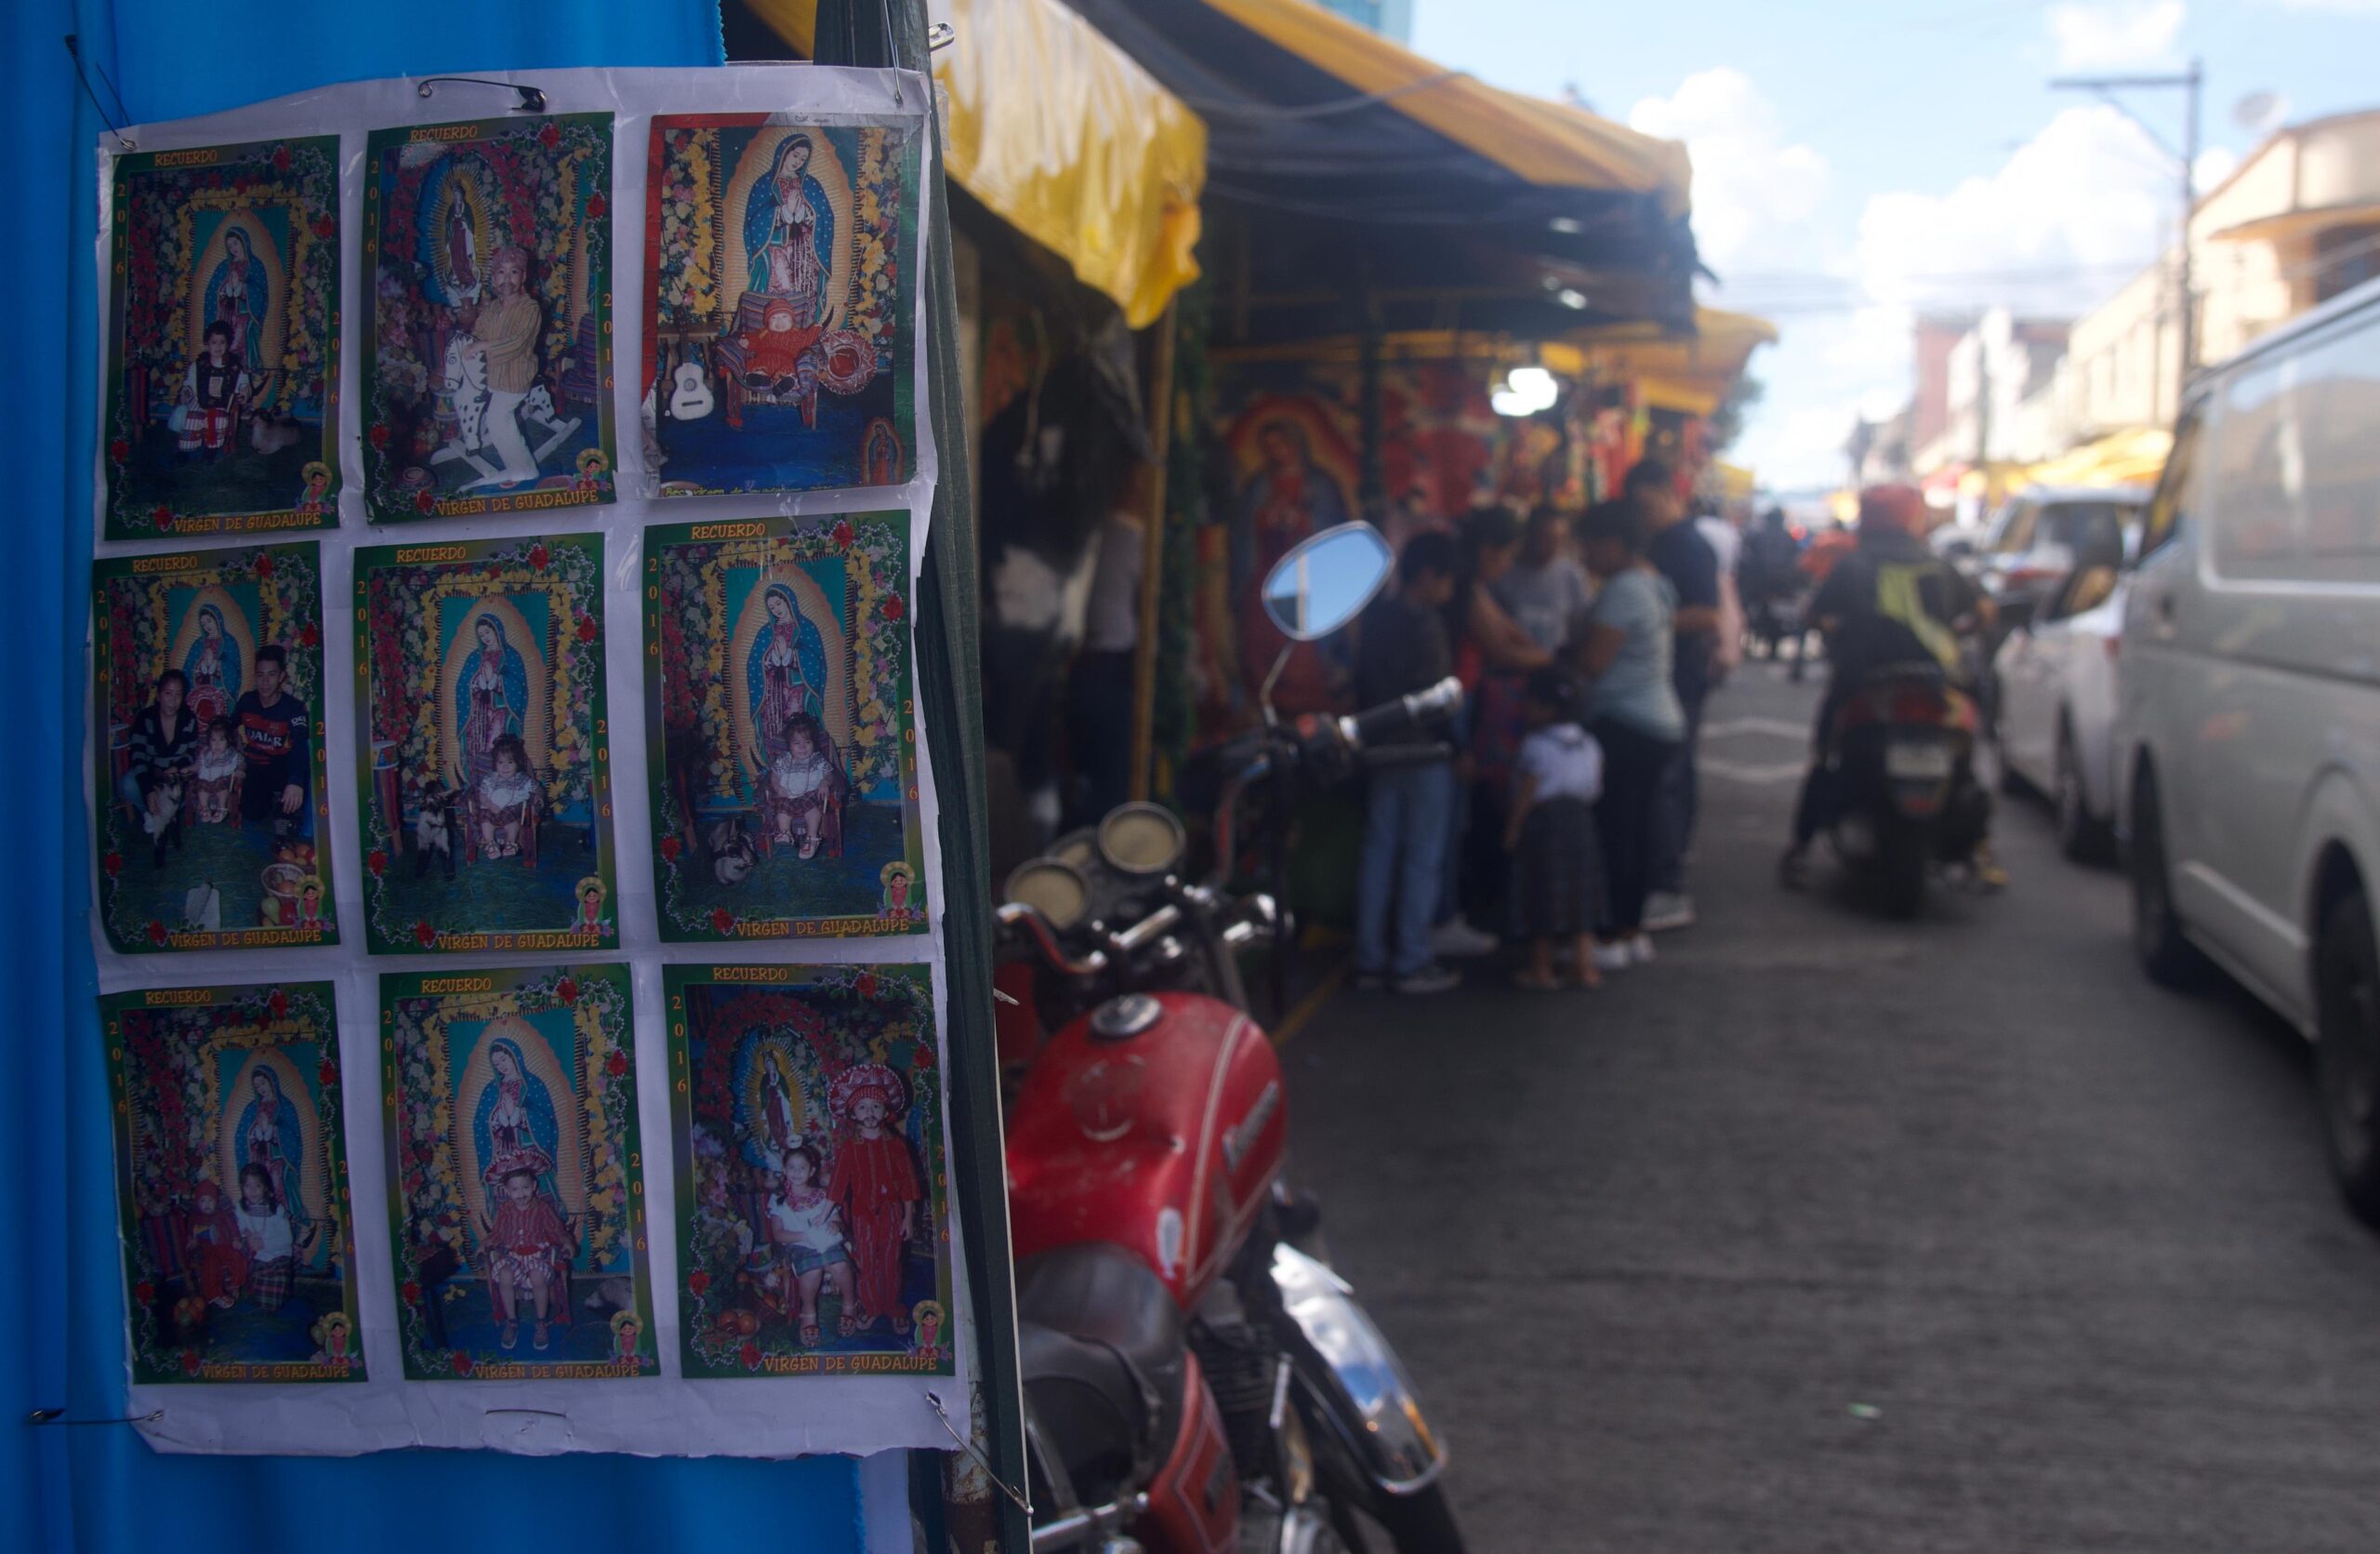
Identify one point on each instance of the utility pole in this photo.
(2192, 83)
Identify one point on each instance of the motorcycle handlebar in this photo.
(1416, 711)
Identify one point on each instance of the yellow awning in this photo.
(1686, 373)
(1066, 138)
(2133, 457)
(1736, 483)
(1551, 144)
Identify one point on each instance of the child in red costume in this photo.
(875, 1183)
(212, 1242)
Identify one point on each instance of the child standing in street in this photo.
(1557, 865)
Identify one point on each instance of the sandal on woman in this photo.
(851, 1322)
(808, 1332)
(900, 1327)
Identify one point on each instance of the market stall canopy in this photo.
(1717, 348)
(1354, 184)
(1063, 136)
(2131, 458)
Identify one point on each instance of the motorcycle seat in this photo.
(1100, 1346)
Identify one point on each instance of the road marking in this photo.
(1754, 773)
(1308, 1006)
(1783, 729)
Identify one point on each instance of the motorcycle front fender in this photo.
(1366, 1398)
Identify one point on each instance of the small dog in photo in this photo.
(731, 852)
(269, 435)
(433, 830)
(156, 818)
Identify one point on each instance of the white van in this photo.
(2248, 721)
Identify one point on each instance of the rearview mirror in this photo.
(1325, 580)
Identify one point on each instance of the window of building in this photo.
(2344, 259)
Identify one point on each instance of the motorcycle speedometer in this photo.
(1056, 890)
(1142, 839)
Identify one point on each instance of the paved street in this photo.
(1826, 1234)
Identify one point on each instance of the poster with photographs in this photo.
(221, 405)
(483, 746)
(212, 828)
(239, 1254)
(813, 1229)
(516, 1182)
(487, 355)
(781, 261)
(781, 730)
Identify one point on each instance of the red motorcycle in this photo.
(1197, 1379)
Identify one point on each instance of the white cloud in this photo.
(2057, 228)
(2124, 33)
(1753, 192)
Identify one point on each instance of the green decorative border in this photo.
(289, 588)
(258, 1016)
(303, 174)
(576, 136)
(601, 993)
(706, 1348)
(572, 561)
(877, 616)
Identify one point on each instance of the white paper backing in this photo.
(665, 1415)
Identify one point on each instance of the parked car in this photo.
(2248, 722)
(2038, 538)
(2056, 679)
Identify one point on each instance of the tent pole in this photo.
(950, 705)
(1152, 552)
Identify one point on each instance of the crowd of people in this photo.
(1564, 817)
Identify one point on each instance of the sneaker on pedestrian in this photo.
(1613, 957)
(1640, 951)
(1370, 981)
(1665, 910)
(1431, 979)
(1455, 940)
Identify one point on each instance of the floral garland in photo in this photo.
(155, 220)
(172, 1110)
(686, 194)
(883, 1014)
(876, 197)
(422, 1124)
(549, 180)
(135, 613)
(405, 666)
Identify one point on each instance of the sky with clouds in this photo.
(1857, 159)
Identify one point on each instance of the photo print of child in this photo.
(238, 1242)
(509, 1102)
(222, 343)
(487, 357)
(811, 1231)
(211, 823)
(483, 746)
(781, 730)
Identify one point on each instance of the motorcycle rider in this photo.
(1772, 577)
(1889, 600)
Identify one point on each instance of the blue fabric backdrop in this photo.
(61, 1304)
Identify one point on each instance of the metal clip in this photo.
(942, 35)
(58, 1416)
(532, 100)
(969, 1447)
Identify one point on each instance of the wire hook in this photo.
(532, 100)
(969, 1447)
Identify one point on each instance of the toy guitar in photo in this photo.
(692, 400)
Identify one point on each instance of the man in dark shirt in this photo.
(277, 738)
(1406, 809)
(1890, 601)
(1692, 567)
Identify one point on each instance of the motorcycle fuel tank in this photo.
(1157, 1122)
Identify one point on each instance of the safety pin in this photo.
(532, 100)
